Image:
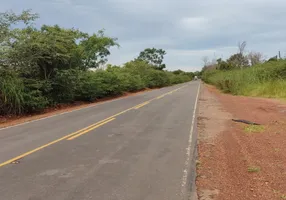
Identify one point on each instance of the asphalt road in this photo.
(139, 147)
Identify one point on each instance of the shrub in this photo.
(88, 88)
(11, 93)
(35, 95)
(27, 95)
(65, 84)
(130, 83)
(34, 101)
(266, 79)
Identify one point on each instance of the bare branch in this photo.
(241, 47)
(205, 59)
(256, 58)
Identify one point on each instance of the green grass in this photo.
(254, 128)
(273, 89)
(253, 169)
(264, 80)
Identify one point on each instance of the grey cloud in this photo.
(186, 29)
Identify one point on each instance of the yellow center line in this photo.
(34, 150)
(90, 129)
(84, 130)
(141, 105)
(160, 97)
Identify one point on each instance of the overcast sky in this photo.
(186, 29)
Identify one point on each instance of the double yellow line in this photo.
(85, 130)
(160, 97)
(141, 105)
(91, 128)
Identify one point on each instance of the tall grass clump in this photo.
(266, 80)
(11, 93)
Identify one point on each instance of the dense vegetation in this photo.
(248, 75)
(44, 67)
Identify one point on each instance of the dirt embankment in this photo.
(238, 161)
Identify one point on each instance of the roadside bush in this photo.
(19, 95)
(27, 95)
(129, 82)
(109, 83)
(89, 88)
(34, 101)
(157, 78)
(11, 93)
(65, 84)
(266, 79)
(98, 84)
(49, 65)
(36, 95)
(139, 68)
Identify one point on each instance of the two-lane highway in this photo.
(137, 147)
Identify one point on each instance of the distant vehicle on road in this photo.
(195, 78)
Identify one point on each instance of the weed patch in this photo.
(254, 128)
(253, 169)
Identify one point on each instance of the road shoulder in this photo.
(239, 161)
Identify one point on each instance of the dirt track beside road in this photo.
(237, 161)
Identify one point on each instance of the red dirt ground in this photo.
(227, 152)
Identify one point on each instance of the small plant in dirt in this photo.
(283, 196)
(198, 164)
(254, 128)
(276, 191)
(253, 169)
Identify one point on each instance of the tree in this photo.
(238, 60)
(42, 67)
(197, 73)
(7, 19)
(223, 65)
(48, 61)
(153, 57)
(255, 58)
(178, 71)
(241, 47)
(8, 34)
(41, 52)
(94, 49)
(190, 74)
(205, 60)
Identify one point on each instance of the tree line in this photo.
(50, 65)
(239, 60)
